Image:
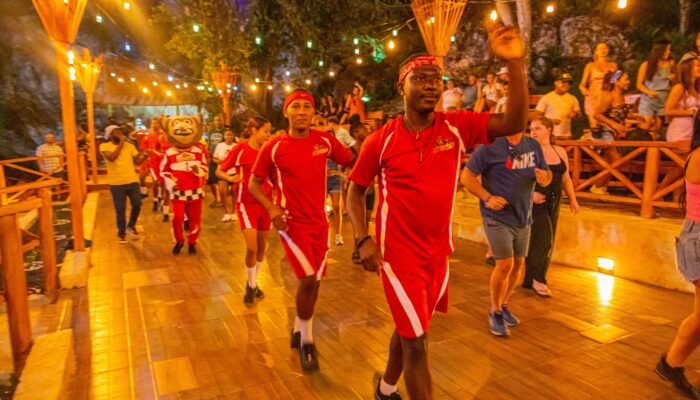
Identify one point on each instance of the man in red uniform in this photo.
(296, 160)
(417, 159)
(184, 169)
(154, 146)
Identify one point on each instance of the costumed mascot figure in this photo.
(184, 170)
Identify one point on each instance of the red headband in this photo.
(299, 95)
(417, 62)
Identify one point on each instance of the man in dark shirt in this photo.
(509, 169)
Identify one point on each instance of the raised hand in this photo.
(506, 42)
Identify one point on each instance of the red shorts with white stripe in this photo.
(307, 249)
(155, 173)
(253, 216)
(414, 292)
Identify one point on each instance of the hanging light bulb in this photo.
(120, 80)
(358, 60)
(452, 39)
(71, 57)
(155, 83)
(168, 93)
(494, 15)
(356, 41)
(258, 40)
(357, 51)
(184, 84)
(257, 80)
(112, 74)
(392, 45)
(309, 44)
(145, 90)
(550, 8)
(253, 87)
(395, 32)
(195, 27)
(287, 73)
(320, 63)
(308, 81)
(127, 5)
(151, 66)
(177, 86)
(127, 46)
(621, 4)
(132, 79)
(287, 88)
(432, 20)
(98, 18)
(71, 74)
(331, 73)
(228, 85)
(170, 78)
(269, 87)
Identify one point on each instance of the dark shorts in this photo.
(506, 241)
(334, 184)
(212, 179)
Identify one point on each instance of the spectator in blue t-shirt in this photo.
(509, 169)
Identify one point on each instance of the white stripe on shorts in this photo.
(404, 300)
(305, 264)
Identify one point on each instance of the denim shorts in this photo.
(333, 185)
(688, 251)
(506, 241)
(653, 106)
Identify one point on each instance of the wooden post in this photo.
(576, 169)
(91, 139)
(15, 289)
(82, 163)
(651, 180)
(48, 245)
(68, 113)
(3, 184)
(227, 108)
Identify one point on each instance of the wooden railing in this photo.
(27, 165)
(643, 159)
(14, 242)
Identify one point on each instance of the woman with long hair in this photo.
(592, 80)
(253, 217)
(682, 105)
(545, 210)
(670, 367)
(611, 113)
(654, 81)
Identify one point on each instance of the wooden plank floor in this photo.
(176, 328)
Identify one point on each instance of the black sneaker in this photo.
(379, 396)
(192, 249)
(166, 217)
(178, 246)
(356, 257)
(307, 355)
(249, 297)
(677, 377)
(259, 294)
(294, 339)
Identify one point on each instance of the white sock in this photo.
(257, 268)
(251, 277)
(166, 209)
(144, 190)
(385, 388)
(296, 324)
(305, 330)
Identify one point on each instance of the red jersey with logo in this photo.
(417, 182)
(156, 142)
(242, 157)
(177, 170)
(297, 167)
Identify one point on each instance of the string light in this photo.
(210, 90)
(452, 39)
(550, 8)
(258, 40)
(112, 74)
(71, 73)
(320, 63)
(358, 60)
(494, 15)
(287, 88)
(287, 73)
(269, 87)
(151, 66)
(170, 78)
(357, 51)
(432, 20)
(120, 80)
(235, 88)
(155, 83)
(257, 80)
(132, 79)
(144, 90)
(308, 81)
(395, 32)
(228, 85)
(127, 5)
(253, 87)
(168, 93)
(127, 46)
(98, 18)
(392, 45)
(195, 28)
(184, 84)
(309, 44)
(356, 41)
(177, 86)
(71, 57)
(331, 73)
(621, 4)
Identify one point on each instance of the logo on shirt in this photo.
(185, 157)
(443, 144)
(320, 149)
(520, 161)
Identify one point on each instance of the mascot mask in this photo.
(183, 130)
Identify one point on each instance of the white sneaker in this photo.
(339, 240)
(233, 217)
(226, 218)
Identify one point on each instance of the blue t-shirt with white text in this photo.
(508, 170)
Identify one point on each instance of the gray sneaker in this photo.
(508, 317)
(496, 324)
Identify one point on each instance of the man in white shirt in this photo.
(452, 97)
(560, 106)
(220, 153)
(341, 133)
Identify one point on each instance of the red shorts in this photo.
(143, 168)
(154, 169)
(253, 216)
(307, 249)
(414, 292)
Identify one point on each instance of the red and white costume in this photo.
(186, 187)
(417, 185)
(251, 214)
(297, 167)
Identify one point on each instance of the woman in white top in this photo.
(220, 152)
(592, 80)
